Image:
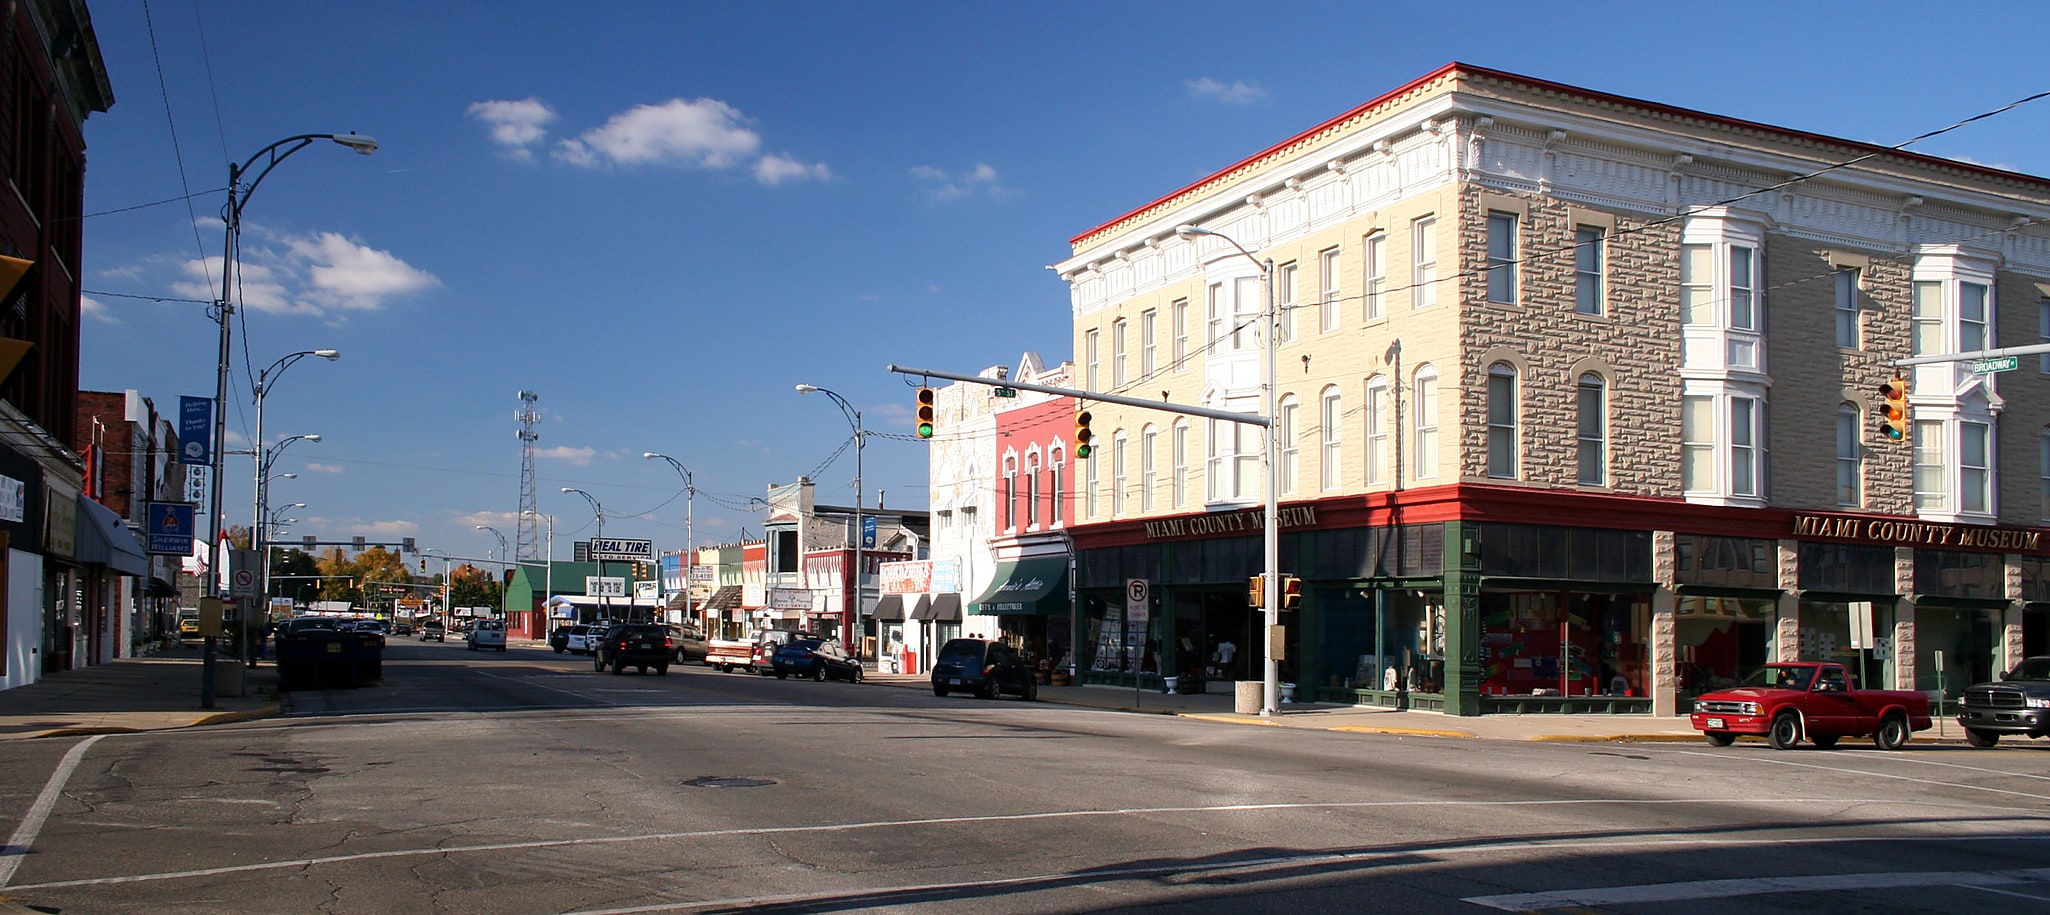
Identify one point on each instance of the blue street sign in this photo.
(195, 430)
(868, 532)
(170, 527)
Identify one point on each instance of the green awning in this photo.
(1036, 586)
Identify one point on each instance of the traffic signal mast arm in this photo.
(1250, 419)
(2032, 349)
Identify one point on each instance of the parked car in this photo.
(578, 639)
(402, 628)
(486, 634)
(987, 669)
(433, 629)
(637, 645)
(297, 626)
(559, 639)
(2017, 705)
(1814, 700)
(819, 659)
(188, 627)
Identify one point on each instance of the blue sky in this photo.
(661, 217)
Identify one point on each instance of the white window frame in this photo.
(1089, 481)
(1213, 462)
(1424, 391)
(1850, 456)
(1117, 473)
(1148, 474)
(1328, 300)
(1213, 316)
(1180, 444)
(1846, 284)
(1246, 312)
(1503, 459)
(1698, 444)
(1057, 464)
(1032, 490)
(1117, 355)
(1248, 450)
(1284, 302)
(1149, 339)
(1181, 333)
(1591, 430)
(1330, 415)
(1089, 357)
(1374, 422)
(1011, 520)
(1932, 490)
(1590, 270)
(1747, 447)
(1975, 475)
(1500, 275)
(1374, 268)
(1285, 431)
(1423, 240)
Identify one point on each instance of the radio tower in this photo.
(528, 550)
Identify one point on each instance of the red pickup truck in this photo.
(1785, 703)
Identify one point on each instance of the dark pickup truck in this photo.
(2018, 704)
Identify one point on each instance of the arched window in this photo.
(1593, 433)
(1850, 456)
(1057, 464)
(1285, 432)
(1117, 473)
(1011, 521)
(1180, 445)
(1424, 388)
(1213, 463)
(1328, 418)
(1032, 489)
(1374, 419)
(1502, 462)
(1148, 474)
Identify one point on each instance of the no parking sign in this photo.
(1138, 606)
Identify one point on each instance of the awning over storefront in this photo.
(1027, 586)
(161, 588)
(946, 608)
(923, 609)
(890, 608)
(726, 598)
(104, 539)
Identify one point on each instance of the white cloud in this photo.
(982, 179)
(323, 468)
(96, 310)
(515, 126)
(501, 520)
(318, 275)
(577, 456)
(388, 528)
(701, 133)
(1237, 92)
(774, 169)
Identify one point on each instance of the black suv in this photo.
(636, 645)
(987, 669)
(2018, 704)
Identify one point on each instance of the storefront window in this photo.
(1968, 639)
(1117, 646)
(1565, 643)
(1826, 636)
(1720, 641)
(1411, 655)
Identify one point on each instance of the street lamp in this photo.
(256, 537)
(231, 216)
(690, 495)
(604, 607)
(445, 557)
(547, 570)
(501, 566)
(860, 438)
(1270, 704)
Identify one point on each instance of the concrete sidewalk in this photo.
(153, 693)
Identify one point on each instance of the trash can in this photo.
(1246, 701)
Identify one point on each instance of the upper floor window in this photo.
(1847, 308)
(1285, 431)
(1743, 297)
(1374, 267)
(1589, 270)
(1975, 466)
(1032, 490)
(1180, 444)
(1697, 285)
(1329, 418)
(1284, 302)
(1850, 456)
(1697, 443)
(1926, 334)
(1213, 461)
(1592, 437)
(1245, 325)
(1971, 318)
(1117, 354)
(1930, 492)
(1057, 472)
(1089, 481)
(1148, 343)
(1722, 311)
(1117, 473)
(1424, 261)
(1089, 378)
(1375, 416)
(1747, 450)
(1148, 474)
(1328, 302)
(1425, 388)
(1010, 506)
(1502, 258)
(1214, 315)
(1181, 332)
(1502, 421)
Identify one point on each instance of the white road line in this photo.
(32, 822)
(1849, 771)
(1518, 843)
(1644, 894)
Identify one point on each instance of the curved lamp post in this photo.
(1271, 531)
(257, 536)
(501, 566)
(690, 495)
(604, 606)
(860, 438)
(262, 162)
(547, 569)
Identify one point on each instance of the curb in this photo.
(268, 711)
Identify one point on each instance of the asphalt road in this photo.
(525, 782)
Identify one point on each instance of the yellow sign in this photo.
(210, 617)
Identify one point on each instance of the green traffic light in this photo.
(925, 430)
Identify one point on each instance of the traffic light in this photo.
(423, 565)
(1893, 414)
(1256, 591)
(925, 412)
(1082, 436)
(1291, 593)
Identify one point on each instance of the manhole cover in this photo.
(728, 781)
